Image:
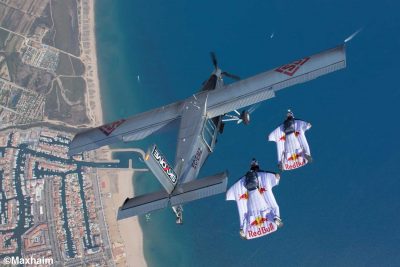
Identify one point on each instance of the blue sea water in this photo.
(341, 210)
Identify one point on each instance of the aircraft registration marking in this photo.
(197, 157)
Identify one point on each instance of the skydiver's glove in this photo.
(278, 221)
(242, 234)
(308, 157)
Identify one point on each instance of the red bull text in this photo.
(294, 165)
(261, 231)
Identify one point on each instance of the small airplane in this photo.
(200, 119)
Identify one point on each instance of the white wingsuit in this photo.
(258, 210)
(292, 146)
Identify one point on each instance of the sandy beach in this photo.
(89, 57)
(126, 237)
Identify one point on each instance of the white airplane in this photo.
(200, 119)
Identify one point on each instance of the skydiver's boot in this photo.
(278, 222)
(308, 157)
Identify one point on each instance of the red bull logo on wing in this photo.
(164, 164)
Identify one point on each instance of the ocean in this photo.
(341, 210)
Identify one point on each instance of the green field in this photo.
(3, 38)
(64, 65)
(79, 68)
(74, 88)
(66, 26)
(56, 108)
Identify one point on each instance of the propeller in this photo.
(214, 60)
(224, 73)
(232, 76)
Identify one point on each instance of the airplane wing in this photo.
(134, 128)
(263, 86)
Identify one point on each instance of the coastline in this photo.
(89, 57)
(126, 236)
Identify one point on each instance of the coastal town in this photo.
(53, 206)
(49, 201)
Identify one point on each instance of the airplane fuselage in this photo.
(198, 133)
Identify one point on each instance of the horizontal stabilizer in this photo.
(201, 188)
(194, 190)
(143, 204)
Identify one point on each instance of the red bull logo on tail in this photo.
(164, 164)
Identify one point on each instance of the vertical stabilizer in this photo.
(161, 169)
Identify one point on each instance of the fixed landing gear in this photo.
(178, 210)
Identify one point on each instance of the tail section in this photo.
(143, 204)
(200, 188)
(194, 190)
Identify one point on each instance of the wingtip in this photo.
(348, 39)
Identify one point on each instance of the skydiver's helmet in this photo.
(251, 181)
(254, 165)
(289, 114)
(288, 124)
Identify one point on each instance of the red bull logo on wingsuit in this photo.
(294, 165)
(294, 156)
(283, 137)
(262, 190)
(164, 164)
(244, 196)
(259, 221)
(261, 231)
